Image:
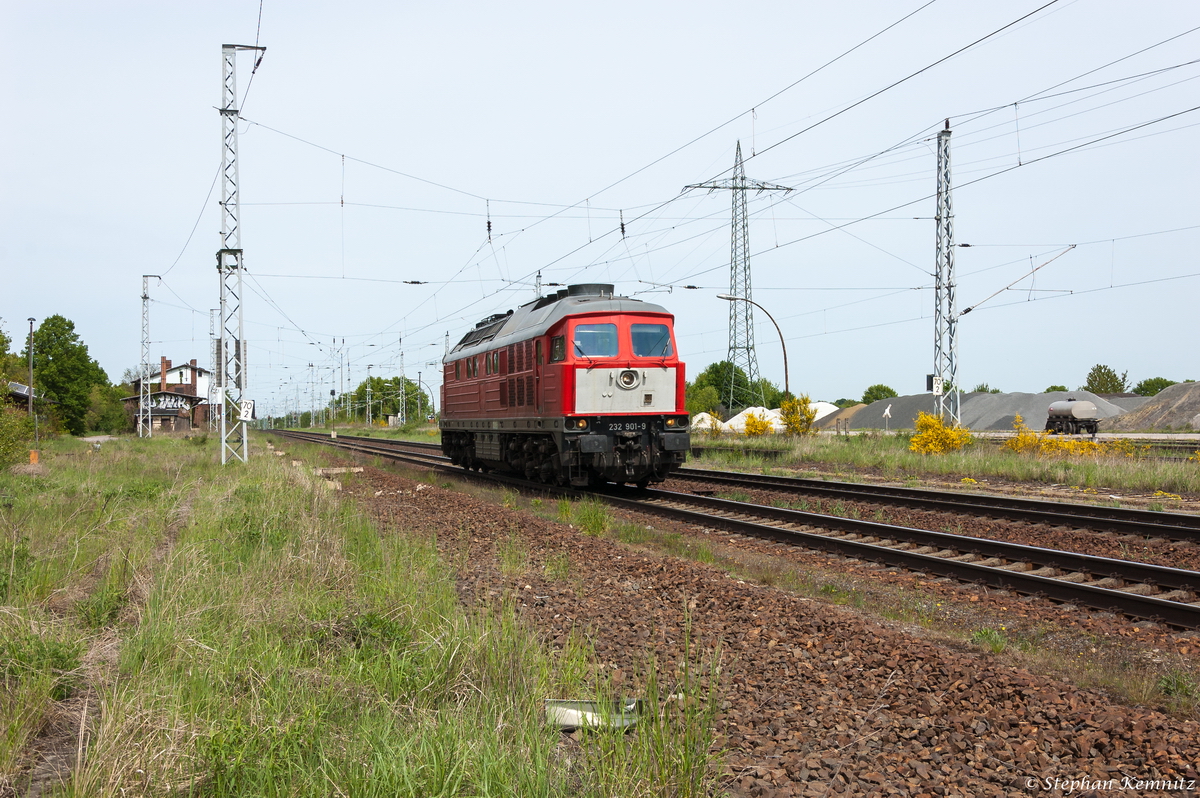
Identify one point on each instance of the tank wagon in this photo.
(579, 387)
(1073, 416)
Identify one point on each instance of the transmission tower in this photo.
(741, 314)
(945, 305)
(145, 422)
(231, 351)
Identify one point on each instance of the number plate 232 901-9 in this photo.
(627, 426)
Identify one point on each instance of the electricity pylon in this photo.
(145, 421)
(741, 314)
(231, 350)
(945, 305)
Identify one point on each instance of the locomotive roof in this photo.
(537, 317)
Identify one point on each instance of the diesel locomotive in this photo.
(579, 387)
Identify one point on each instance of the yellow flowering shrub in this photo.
(798, 415)
(934, 437)
(756, 425)
(1045, 444)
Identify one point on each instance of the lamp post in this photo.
(420, 409)
(782, 344)
(369, 367)
(32, 455)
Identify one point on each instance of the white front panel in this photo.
(625, 390)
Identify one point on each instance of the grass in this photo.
(992, 640)
(272, 640)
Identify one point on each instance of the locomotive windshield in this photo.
(650, 340)
(595, 340)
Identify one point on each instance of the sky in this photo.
(377, 141)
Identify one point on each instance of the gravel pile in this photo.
(814, 700)
(982, 411)
(1174, 408)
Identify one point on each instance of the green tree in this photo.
(846, 402)
(719, 375)
(106, 412)
(877, 392)
(10, 363)
(1152, 385)
(1103, 379)
(771, 395)
(1054, 388)
(386, 397)
(983, 387)
(64, 372)
(702, 399)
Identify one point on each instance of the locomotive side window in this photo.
(540, 356)
(558, 348)
(650, 340)
(457, 374)
(595, 340)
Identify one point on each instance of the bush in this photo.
(934, 437)
(1027, 441)
(16, 433)
(756, 425)
(798, 415)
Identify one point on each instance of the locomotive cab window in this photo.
(558, 348)
(595, 340)
(650, 340)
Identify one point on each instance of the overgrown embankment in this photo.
(169, 626)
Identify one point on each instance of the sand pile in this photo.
(1173, 408)
(737, 424)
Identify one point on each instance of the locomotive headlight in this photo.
(628, 379)
(579, 423)
(670, 422)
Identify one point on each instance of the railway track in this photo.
(1124, 520)
(1157, 449)
(1166, 595)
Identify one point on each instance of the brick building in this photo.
(178, 397)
